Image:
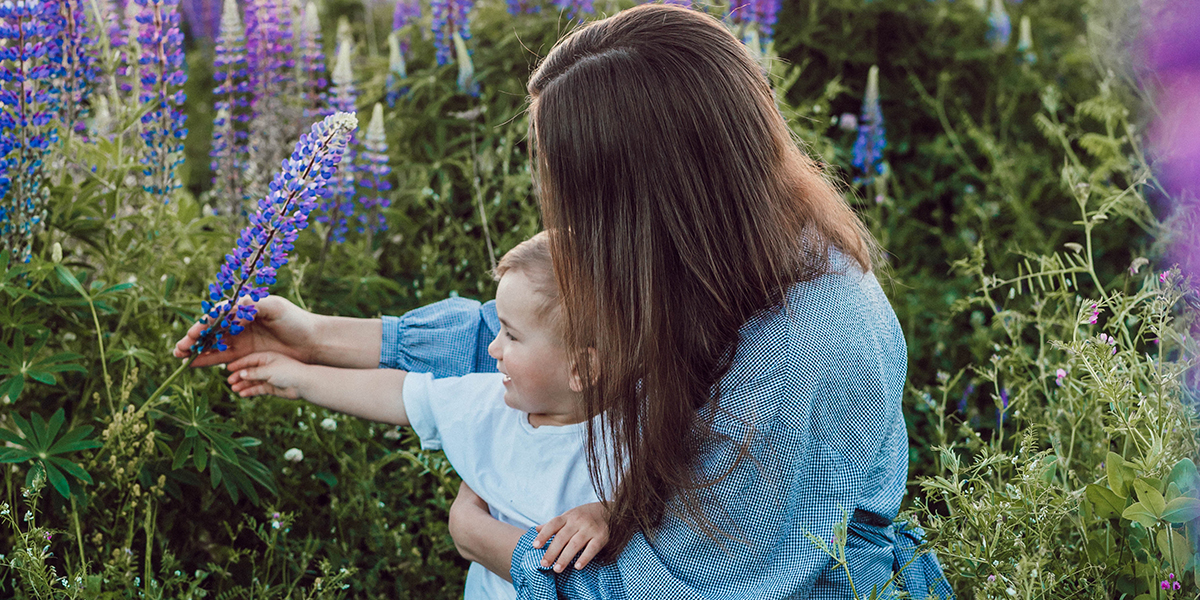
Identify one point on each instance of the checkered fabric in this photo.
(817, 386)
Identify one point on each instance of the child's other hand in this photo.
(581, 529)
(267, 373)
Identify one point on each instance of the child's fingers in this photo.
(594, 546)
(556, 546)
(546, 530)
(572, 548)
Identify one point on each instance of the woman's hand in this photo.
(479, 537)
(278, 326)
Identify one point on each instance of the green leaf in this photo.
(1182, 510)
(1175, 548)
(73, 469)
(66, 277)
(1149, 496)
(56, 422)
(11, 388)
(1173, 492)
(43, 377)
(1107, 504)
(8, 436)
(1140, 514)
(73, 440)
(15, 455)
(31, 428)
(57, 479)
(183, 453)
(1116, 474)
(200, 458)
(1184, 473)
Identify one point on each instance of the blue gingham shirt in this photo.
(819, 383)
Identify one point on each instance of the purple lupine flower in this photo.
(282, 213)
(872, 136)
(270, 64)
(112, 13)
(312, 66)
(30, 63)
(407, 12)
(1004, 407)
(374, 174)
(79, 63)
(575, 9)
(766, 14)
(232, 106)
(338, 206)
(523, 7)
(449, 17)
(962, 402)
(999, 26)
(203, 19)
(161, 66)
(397, 70)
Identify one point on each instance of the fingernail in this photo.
(545, 564)
(557, 568)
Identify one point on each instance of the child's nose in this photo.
(494, 348)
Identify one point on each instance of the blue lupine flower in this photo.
(262, 246)
(30, 65)
(312, 66)
(523, 7)
(449, 18)
(79, 63)
(397, 70)
(575, 9)
(271, 70)
(999, 26)
(162, 78)
(203, 20)
(338, 206)
(766, 14)
(373, 171)
(872, 137)
(407, 13)
(232, 105)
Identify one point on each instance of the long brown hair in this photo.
(678, 206)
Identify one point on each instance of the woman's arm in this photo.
(479, 537)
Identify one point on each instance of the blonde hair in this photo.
(532, 257)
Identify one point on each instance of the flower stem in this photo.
(164, 385)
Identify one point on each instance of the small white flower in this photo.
(294, 455)
(187, 260)
(1011, 592)
(392, 434)
(329, 424)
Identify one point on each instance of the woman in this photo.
(748, 365)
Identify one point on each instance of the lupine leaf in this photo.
(43, 377)
(56, 422)
(70, 441)
(66, 277)
(31, 440)
(15, 455)
(72, 468)
(57, 479)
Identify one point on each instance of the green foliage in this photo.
(1017, 197)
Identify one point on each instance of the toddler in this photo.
(516, 437)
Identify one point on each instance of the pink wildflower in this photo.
(1059, 376)
(1162, 277)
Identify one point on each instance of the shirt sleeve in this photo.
(446, 338)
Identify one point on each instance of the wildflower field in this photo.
(159, 158)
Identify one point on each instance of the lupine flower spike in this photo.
(766, 14)
(232, 104)
(1025, 41)
(270, 65)
(449, 18)
(575, 9)
(312, 66)
(79, 63)
(262, 247)
(339, 204)
(162, 81)
(373, 173)
(999, 26)
(30, 62)
(872, 136)
(466, 68)
(203, 20)
(397, 70)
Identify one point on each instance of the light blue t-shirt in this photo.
(527, 475)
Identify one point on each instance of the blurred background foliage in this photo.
(999, 158)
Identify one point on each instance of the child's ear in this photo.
(576, 383)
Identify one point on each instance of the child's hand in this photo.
(267, 373)
(583, 528)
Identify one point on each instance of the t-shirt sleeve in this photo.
(417, 404)
(446, 338)
(452, 413)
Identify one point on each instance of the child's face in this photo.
(531, 355)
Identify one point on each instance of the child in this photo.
(515, 437)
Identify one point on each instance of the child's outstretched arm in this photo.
(581, 529)
(373, 394)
